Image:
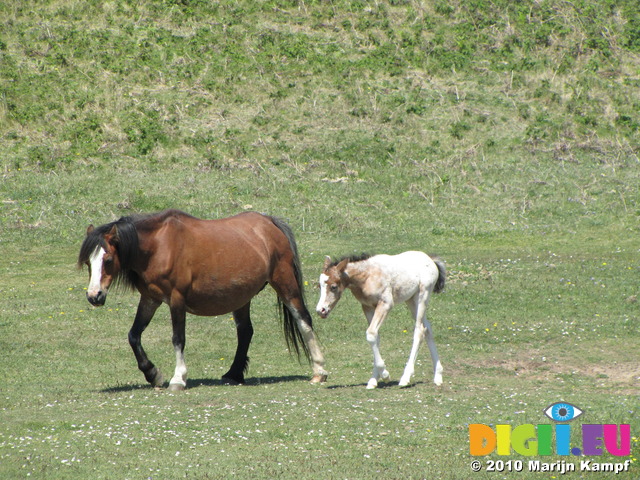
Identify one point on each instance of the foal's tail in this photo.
(292, 333)
(442, 274)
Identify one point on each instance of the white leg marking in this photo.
(309, 337)
(179, 380)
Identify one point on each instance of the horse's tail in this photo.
(292, 333)
(442, 274)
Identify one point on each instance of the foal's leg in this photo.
(375, 317)
(417, 308)
(244, 330)
(178, 320)
(146, 310)
(422, 330)
(437, 366)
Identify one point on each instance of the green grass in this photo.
(502, 136)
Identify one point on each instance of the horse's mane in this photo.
(352, 259)
(126, 231)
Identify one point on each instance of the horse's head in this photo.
(103, 263)
(333, 281)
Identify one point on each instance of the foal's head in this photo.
(333, 281)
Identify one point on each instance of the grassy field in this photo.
(503, 136)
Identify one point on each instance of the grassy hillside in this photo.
(456, 106)
(228, 83)
(503, 135)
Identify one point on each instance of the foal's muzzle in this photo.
(98, 299)
(323, 312)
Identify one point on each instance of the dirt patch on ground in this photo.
(542, 369)
(535, 364)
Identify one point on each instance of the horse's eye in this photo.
(334, 288)
(108, 260)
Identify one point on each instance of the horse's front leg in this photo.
(178, 320)
(146, 309)
(244, 331)
(376, 317)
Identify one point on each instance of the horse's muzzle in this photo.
(98, 299)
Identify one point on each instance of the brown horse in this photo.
(202, 267)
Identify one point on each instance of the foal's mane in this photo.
(352, 259)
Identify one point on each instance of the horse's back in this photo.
(218, 264)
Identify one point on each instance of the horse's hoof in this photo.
(154, 377)
(319, 379)
(176, 387)
(372, 384)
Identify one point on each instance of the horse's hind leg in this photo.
(303, 319)
(178, 320)
(290, 293)
(244, 330)
(144, 314)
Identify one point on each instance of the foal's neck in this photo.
(357, 273)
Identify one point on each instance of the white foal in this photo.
(379, 282)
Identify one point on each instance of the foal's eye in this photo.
(334, 288)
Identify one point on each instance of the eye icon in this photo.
(562, 412)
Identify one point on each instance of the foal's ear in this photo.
(342, 265)
(327, 262)
(90, 229)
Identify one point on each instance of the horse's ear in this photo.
(342, 265)
(327, 262)
(90, 229)
(112, 236)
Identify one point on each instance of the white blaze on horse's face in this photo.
(96, 293)
(330, 292)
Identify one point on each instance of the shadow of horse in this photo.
(209, 382)
(381, 385)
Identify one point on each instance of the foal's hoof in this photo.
(176, 387)
(319, 379)
(404, 382)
